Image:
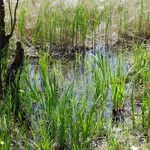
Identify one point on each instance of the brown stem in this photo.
(14, 21)
(10, 13)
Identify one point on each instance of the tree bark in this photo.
(2, 22)
(2, 41)
(13, 78)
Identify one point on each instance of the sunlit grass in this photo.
(63, 115)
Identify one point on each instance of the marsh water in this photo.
(80, 72)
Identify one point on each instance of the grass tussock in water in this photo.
(63, 117)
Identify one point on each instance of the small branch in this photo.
(10, 13)
(14, 21)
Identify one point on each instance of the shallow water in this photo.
(75, 71)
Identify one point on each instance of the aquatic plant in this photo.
(117, 83)
(142, 79)
(60, 114)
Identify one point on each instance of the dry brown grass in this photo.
(133, 14)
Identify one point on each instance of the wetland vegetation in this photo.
(75, 74)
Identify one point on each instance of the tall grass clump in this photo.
(60, 24)
(120, 23)
(123, 23)
(141, 66)
(101, 77)
(107, 18)
(142, 81)
(4, 129)
(22, 23)
(143, 20)
(117, 84)
(64, 119)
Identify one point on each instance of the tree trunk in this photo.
(13, 78)
(4, 41)
(2, 36)
(2, 22)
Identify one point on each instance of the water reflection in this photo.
(80, 72)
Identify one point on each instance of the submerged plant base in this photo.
(118, 116)
(67, 51)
